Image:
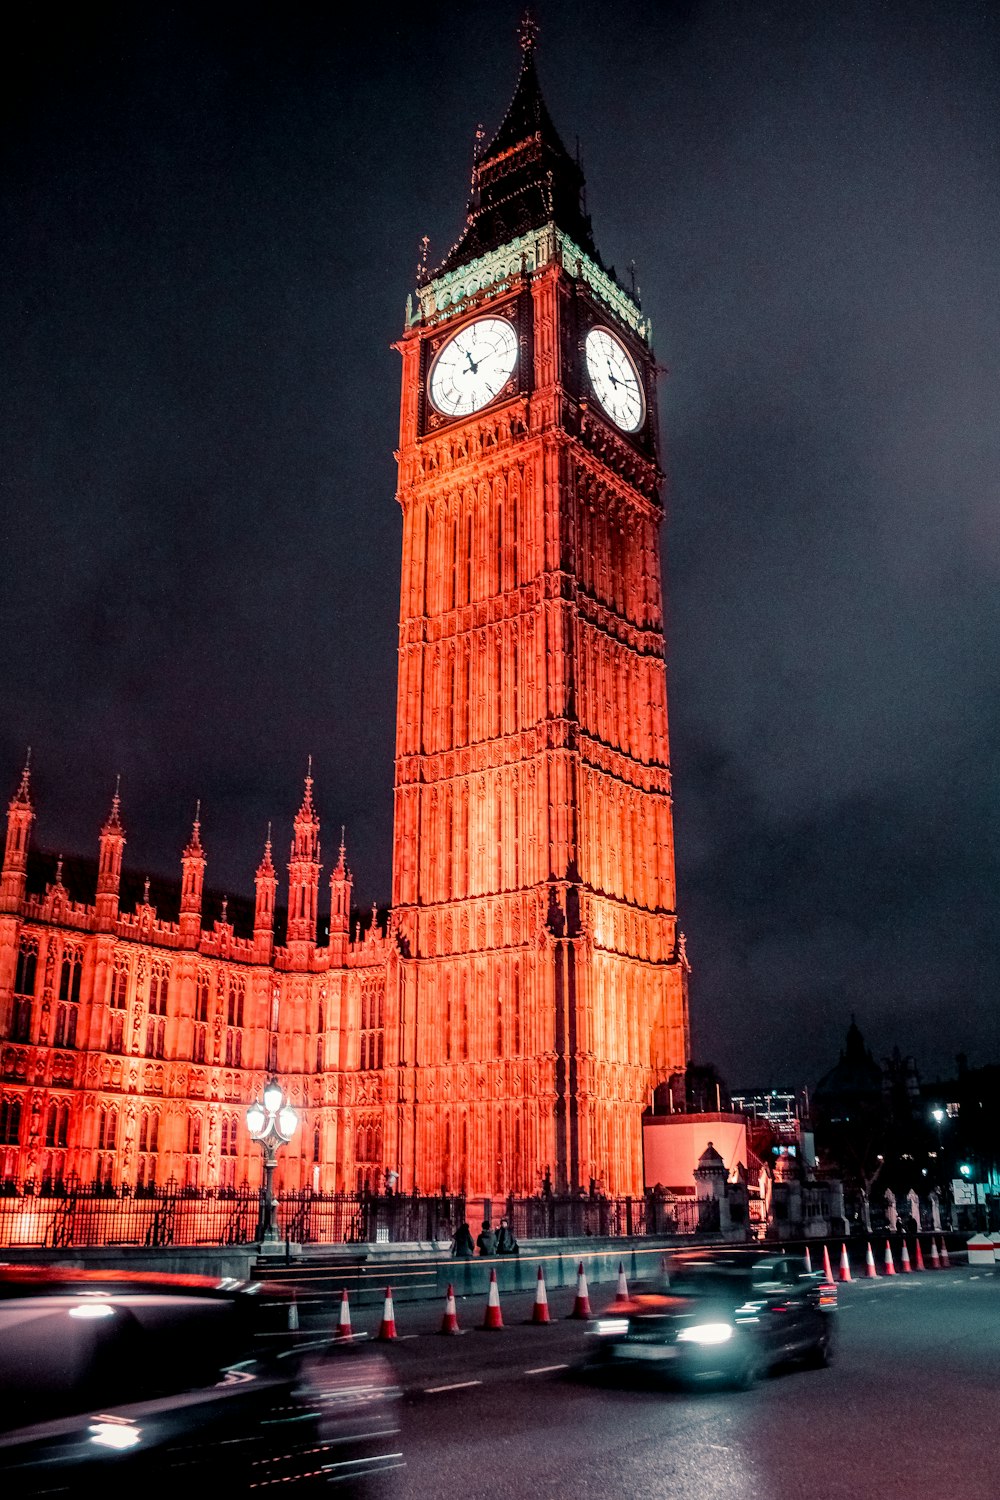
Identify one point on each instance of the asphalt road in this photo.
(909, 1409)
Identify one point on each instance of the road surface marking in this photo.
(544, 1369)
(460, 1385)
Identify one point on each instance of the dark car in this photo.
(726, 1317)
(183, 1384)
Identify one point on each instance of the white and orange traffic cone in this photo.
(540, 1311)
(344, 1321)
(449, 1323)
(493, 1318)
(808, 1260)
(904, 1261)
(621, 1295)
(890, 1264)
(945, 1262)
(827, 1268)
(935, 1258)
(870, 1270)
(919, 1262)
(845, 1265)
(387, 1327)
(293, 1315)
(581, 1307)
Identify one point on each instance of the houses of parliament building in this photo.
(505, 1022)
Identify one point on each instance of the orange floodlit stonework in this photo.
(507, 1024)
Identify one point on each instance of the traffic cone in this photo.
(845, 1265)
(919, 1264)
(293, 1315)
(808, 1261)
(827, 1268)
(449, 1323)
(890, 1265)
(621, 1295)
(945, 1262)
(581, 1307)
(493, 1318)
(904, 1263)
(870, 1270)
(344, 1321)
(935, 1258)
(540, 1311)
(387, 1327)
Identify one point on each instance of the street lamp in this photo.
(937, 1115)
(272, 1122)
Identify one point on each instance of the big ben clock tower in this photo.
(541, 977)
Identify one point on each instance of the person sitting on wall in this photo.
(486, 1240)
(506, 1239)
(462, 1247)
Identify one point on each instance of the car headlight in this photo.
(115, 1434)
(706, 1333)
(611, 1326)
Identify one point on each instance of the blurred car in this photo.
(730, 1317)
(183, 1383)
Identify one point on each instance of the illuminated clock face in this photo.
(615, 380)
(473, 367)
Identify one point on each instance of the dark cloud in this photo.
(210, 220)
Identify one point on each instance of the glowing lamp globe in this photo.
(287, 1121)
(273, 1097)
(255, 1120)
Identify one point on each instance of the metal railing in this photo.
(76, 1215)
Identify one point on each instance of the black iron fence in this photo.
(172, 1215)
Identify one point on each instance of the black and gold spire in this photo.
(525, 177)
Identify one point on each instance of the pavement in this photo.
(908, 1410)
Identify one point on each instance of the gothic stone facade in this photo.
(130, 1046)
(530, 988)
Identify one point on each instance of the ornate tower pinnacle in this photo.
(266, 882)
(192, 884)
(20, 816)
(111, 846)
(303, 877)
(341, 881)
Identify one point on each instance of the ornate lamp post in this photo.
(272, 1122)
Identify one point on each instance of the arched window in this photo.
(158, 988)
(27, 962)
(10, 1122)
(70, 974)
(107, 1132)
(194, 1135)
(65, 1028)
(235, 1008)
(201, 996)
(20, 1030)
(118, 997)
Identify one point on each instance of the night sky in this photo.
(211, 218)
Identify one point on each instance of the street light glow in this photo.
(273, 1096)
